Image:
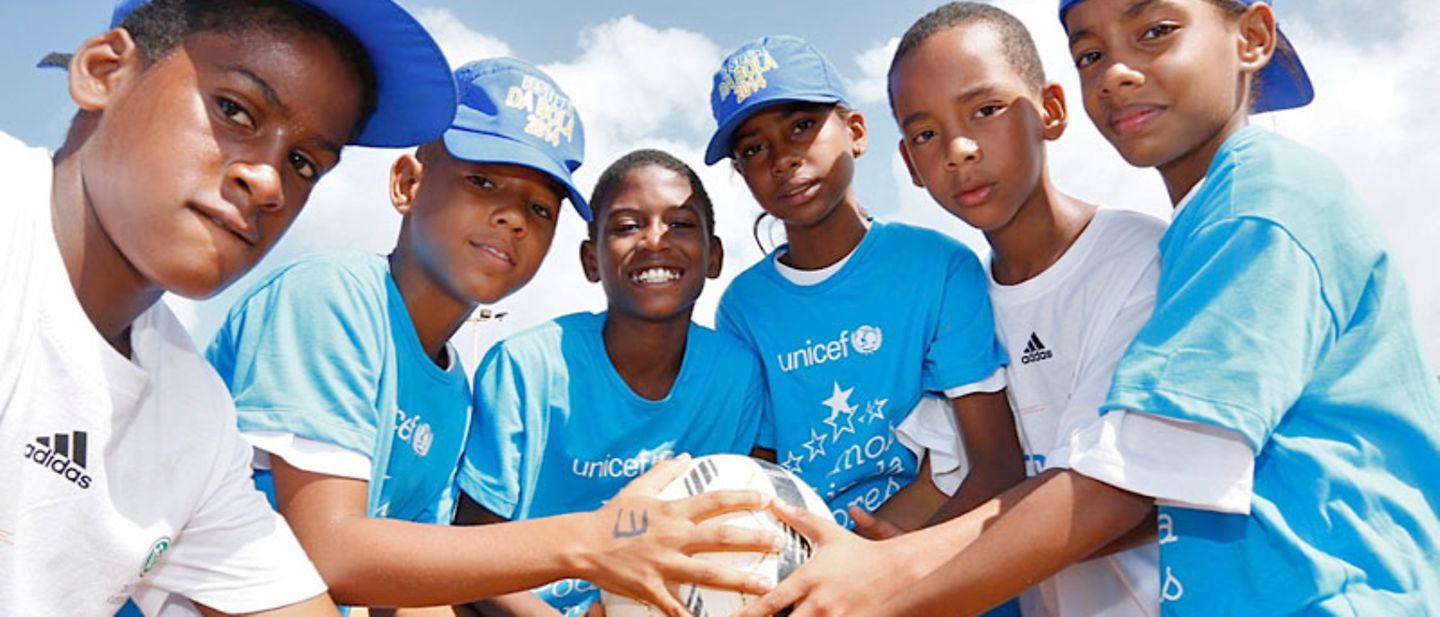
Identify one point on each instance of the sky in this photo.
(639, 73)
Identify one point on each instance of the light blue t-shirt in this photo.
(846, 360)
(324, 349)
(1281, 316)
(557, 430)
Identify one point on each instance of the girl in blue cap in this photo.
(1275, 408)
(854, 319)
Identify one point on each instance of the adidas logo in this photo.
(1035, 351)
(63, 454)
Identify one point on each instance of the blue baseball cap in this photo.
(765, 72)
(415, 94)
(1283, 84)
(512, 113)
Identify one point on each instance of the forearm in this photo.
(384, 562)
(1078, 515)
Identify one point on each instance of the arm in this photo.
(511, 604)
(908, 509)
(992, 447)
(963, 565)
(386, 562)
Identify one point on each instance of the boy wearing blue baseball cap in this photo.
(346, 384)
(202, 128)
(1276, 407)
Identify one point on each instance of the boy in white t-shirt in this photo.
(1071, 284)
(203, 126)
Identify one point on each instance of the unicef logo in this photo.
(866, 339)
(423, 438)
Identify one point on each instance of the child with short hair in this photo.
(203, 127)
(1071, 284)
(1275, 407)
(345, 381)
(847, 351)
(568, 411)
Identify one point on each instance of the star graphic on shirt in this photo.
(792, 462)
(877, 411)
(816, 445)
(839, 402)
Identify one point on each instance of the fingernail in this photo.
(683, 456)
(761, 583)
(779, 543)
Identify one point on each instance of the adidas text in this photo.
(61, 465)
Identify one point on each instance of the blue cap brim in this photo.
(415, 91)
(1284, 83)
(490, 148)
(719, 147)
(416, 97)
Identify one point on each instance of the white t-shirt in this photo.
(1065, 330)
(120, 476)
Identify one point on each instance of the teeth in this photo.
(655, 275)
(496, 252)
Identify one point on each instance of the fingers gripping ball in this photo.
(734, 472)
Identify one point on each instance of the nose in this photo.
(255, 186)
(962, 150)
(653, 236)
(510, 215)
(1118, 75)
(785, 160)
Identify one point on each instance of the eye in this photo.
(987, 110)
(1086, 59)
(624, 226)
(543, 211)
(303, 166)
(480, 181)
(922, 136)
(234, 112)
(1158, 31)
(802, 125)
(748, 150)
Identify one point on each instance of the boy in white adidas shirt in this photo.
(1071, 284)
(203, 126)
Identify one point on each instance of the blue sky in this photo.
(639, 72)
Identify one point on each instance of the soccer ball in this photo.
(719, 472)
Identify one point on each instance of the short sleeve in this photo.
(235, 554)
(964, 349)
(1096, 370)
(496, 450)
(726, 322)
(1238, 328)
(303, 354)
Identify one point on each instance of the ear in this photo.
(910, 165)
(102, 67)
(1258, 38)
(717, 258)
(859, 134)
(589, 261)
(405, 177)
(1053, 114)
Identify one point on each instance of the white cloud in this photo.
(869, 89)
(458, 41)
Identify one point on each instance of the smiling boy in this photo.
(345, 381)
(202, 129)
(569, 411)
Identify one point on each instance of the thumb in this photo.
(817, 529)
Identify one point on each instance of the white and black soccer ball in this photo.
(721, 472)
